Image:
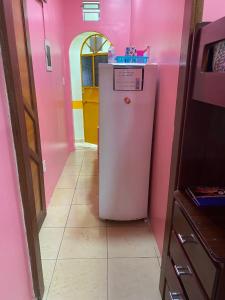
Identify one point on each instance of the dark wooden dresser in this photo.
(193, 265)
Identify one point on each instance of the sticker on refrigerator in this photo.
(128, 79)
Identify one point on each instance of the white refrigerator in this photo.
(127, 104)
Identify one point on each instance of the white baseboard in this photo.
(79, 141)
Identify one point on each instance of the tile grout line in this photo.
(62, 174)
(47, 291)
(104, 258)
(47, 294)
(89, 227)
(107, 244)
(107, 263)
(56, 260)
(133, 257)
(94, 175)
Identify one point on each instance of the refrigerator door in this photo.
(125, 142)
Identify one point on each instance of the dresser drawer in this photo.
(172, 295)
(174, 290)
(184, 271)
(203, 265)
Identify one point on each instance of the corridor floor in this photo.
(85, 258)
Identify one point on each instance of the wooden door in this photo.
(90, 94)
(90, 99)
(27, 107)
(93, 52)
(14, 40)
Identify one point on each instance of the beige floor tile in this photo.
(88, 161)
(81, 270)
(87, 183)
(159, 261)
(86, 196)
(56, 216)
(78, 153)
(50, 240)
(62, 197)
(84, 216)
(89, 168)
(86, 146)
(67, 181)
(157, 250)
(70, 163)
(90, 156)
(75, 158)
(130, 242)
(48, 268)
(133, 279)
(84, 243)
(71, 170)
(79, 279)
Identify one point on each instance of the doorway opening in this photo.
(87, 50)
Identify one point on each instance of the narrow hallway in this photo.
(143, 82)
(85, 258)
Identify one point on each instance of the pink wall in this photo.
(213, 10)
(114, 24)
(55, 114)
(159, 24)
(15, 281)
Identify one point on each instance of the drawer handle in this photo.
(182, 271)
(175, 296)
(187, 238)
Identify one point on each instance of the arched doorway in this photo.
(86, 52)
